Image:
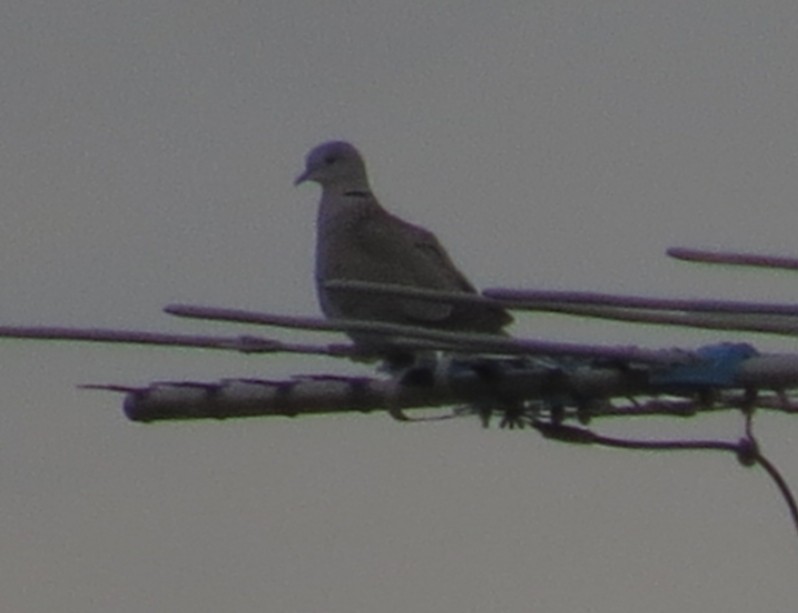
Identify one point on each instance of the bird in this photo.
(359, 240)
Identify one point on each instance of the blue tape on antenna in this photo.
(717, 366)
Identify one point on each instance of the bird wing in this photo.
(417, 259)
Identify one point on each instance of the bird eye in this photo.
(329, 159)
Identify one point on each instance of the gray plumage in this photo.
(359, 240)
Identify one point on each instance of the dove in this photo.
(358, 240)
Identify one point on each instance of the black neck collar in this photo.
(357, 194)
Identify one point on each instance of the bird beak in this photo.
(302, 178)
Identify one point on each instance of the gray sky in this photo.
(147, 157)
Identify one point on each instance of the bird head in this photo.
(335, 163)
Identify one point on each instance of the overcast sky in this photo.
(147, 156)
